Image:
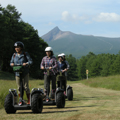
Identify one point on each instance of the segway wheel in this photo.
(8, 104)
(60, 100)
(70, 94)
(36, 103)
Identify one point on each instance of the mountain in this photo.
(55, 34)
(80, 45)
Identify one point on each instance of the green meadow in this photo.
(94, 99)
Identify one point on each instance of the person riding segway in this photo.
(20, 62)
(49, 65)
(24, 59)
(69, 91)
(62, 68)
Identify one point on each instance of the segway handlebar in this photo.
(47, 70)
(18, 65)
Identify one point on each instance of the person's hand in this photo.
(42, 68)
(24, 64)
(12, 64)
(64, 70)
(50, 68)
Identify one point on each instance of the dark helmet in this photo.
(20, 44)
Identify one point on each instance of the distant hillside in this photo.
(80, 45)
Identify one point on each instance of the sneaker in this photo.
(47, 100)
(20, 103)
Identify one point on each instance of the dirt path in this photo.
(88, 104)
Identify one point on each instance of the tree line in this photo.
(98, 65)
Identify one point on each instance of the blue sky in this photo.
(86, 17)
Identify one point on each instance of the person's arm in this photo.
(55, 63)
(65, 67)
(42, 64)
(68, 66)
(29, 59)
(64, 70)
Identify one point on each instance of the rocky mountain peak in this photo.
(51, 34)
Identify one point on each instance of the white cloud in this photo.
(66, 16)
(87, 19)
(107, 17)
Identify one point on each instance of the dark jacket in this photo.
(62, 66)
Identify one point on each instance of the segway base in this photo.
(22, 107)
(49, 103)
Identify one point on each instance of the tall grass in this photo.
(110, 82)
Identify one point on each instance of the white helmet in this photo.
(48, 49)
(63, 54)
(60, 55)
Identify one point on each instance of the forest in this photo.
(98, 65)
(13, 28)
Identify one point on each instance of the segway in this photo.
(61, 84)
(11, 103)
(56, 98)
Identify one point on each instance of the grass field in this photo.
(89, 103)
(110, 82)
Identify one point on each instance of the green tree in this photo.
(72, 72)
(106, 63)
(115, 67)
(81, 67)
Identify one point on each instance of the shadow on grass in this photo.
(70, 107)
(82, 106)
(60, 111)
(84, 98)
(26, 112)
(47, 112)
